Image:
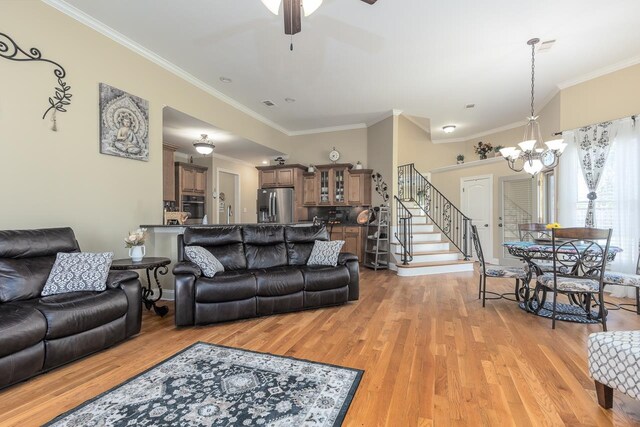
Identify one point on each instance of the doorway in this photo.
(518, 205)
(476, 196)
(228, 202)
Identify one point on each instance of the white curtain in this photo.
(593, 143)
(618, 195)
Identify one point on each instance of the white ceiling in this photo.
(353, 62)
(180, 130)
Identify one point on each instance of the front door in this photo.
(476, 195)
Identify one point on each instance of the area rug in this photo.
(211, 385)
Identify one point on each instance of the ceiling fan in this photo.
(293, 10)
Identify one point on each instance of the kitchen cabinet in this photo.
(190, 179)
(353, 237)
(168, 174)
(331, 184)
(359, 187)
(309, 195)
(268, 178)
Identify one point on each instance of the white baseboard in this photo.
(168, 295)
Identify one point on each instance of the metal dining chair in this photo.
(579, 262)
(626, 279)
(532, 231)
(495, 271)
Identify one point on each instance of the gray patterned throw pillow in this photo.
(204, 259)
(325, 253)
(78, 271)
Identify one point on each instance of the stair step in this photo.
(430, 253)
(434, 264)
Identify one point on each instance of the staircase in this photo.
(431, 235)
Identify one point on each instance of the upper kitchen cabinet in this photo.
(359, 187)
(281, 176)
(168, 174)
(310, 194)
(190, 178)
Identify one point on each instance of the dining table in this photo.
(538, 257)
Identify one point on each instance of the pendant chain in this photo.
(533, 70)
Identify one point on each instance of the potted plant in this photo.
(482, 149)
(460, 159)
(497, 150)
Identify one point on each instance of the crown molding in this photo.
(328, 129)
(123, 40)
(390, 113)
(231, 159)
(600, 72)
(418, 124)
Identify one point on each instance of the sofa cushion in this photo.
(208, 264)
(20, 328)
(321, 278)
(300, 241)
(279, 281)
(75, 312)
(264, 246)
(26, 258)
(224, 243)
(226, 286)
(80, 271)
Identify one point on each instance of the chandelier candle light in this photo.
(533, 156)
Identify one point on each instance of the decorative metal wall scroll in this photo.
(62, 97)
(380, 186)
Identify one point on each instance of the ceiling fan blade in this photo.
(370, 1)
(292, 17)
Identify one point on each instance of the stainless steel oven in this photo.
(195, 205)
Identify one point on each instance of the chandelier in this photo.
(533, 156)
(204, 145)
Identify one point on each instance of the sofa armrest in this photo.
(345, 257)
(187, 267)
(115, 279)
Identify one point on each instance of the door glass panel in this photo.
(324, 186)
(339, 184)
(518, 206)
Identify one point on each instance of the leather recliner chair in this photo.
(41, 333)
(265, 273)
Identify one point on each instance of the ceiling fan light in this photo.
(272, 5)
(309, 6)
(527, 145)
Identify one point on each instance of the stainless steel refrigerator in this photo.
(276, 205)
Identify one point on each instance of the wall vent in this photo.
(269, 103)
(470, 106)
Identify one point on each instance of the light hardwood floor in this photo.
(431, 354)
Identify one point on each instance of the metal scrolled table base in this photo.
(147, 293)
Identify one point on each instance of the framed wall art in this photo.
(124, 124)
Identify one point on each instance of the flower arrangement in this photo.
(482, 149)
(552, 225)
(136, 238)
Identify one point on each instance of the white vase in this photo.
(136, 253)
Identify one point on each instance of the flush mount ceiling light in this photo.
(204, 145)
(224, 79)
(449, 128)
(532, 156)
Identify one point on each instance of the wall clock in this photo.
(334, 155)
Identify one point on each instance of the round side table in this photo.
(155, 265)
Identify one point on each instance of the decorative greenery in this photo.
(460, 157)
(482, 148)
(498, 148)
(136, 238)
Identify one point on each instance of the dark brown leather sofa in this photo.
(265, 273)
(40, 333)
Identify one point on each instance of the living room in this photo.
(415, 340)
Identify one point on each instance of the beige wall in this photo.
(60, 178)
(315, 148)
(381, 153)
(608, 97)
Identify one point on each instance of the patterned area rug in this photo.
(570, 313)
(211, 385)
